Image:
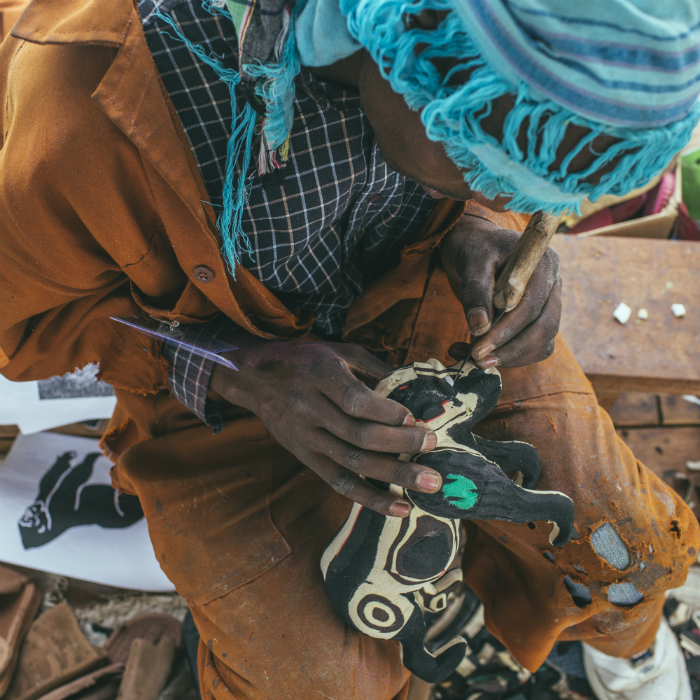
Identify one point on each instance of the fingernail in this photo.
(400, 509)
(477, 319)
(409, 421)
(429, 481)
(429, 442)
(484, 350)
(491, 361)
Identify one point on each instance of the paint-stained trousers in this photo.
(239, 525)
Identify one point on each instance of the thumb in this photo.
(476, 292)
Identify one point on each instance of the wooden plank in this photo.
(675, 410)
(91, 429)
(607, 400)
(8, 433)
(663, 449)
(660, 355)
(640, 410)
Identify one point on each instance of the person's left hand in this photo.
(474, 253)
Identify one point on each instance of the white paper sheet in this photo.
(68, 475)
(65, 400)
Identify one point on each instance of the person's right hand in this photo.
(314, 400)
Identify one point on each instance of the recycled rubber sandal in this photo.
(54, 652)
(12, 579)
(104, 681)
(147, 669)
(17, 610)
(151, 627)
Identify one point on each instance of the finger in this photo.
(370, 435)
(357, 489)
(381, 467)
(353, 398)
(533, 344)
(478, 281)
(511, 325)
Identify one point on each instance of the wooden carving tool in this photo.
(522, 262)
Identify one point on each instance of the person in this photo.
(331, 188)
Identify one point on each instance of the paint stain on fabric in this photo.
(460, 491)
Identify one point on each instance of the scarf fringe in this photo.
(238, 152)
(276, 86)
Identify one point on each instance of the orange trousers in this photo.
(239, 526)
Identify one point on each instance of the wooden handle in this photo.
(522, 262)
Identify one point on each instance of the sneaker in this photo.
(658, 673)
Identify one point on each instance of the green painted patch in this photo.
(460, 491)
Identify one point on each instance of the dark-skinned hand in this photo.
(473, 254)
(314, 399)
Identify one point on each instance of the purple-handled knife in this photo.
(170, 332)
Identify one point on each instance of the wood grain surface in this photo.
(660, 355)
(635, 410)
(675, 410)
(666, 451)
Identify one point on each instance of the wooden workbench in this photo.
(660, 355)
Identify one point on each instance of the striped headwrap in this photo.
(625, 69)
(633, 63)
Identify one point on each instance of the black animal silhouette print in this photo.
(377, 569)
(65, 500)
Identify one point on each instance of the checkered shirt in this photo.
(337, 218)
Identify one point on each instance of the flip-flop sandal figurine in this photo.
(376, 567)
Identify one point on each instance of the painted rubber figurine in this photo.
(380, 571)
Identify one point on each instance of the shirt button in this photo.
(203, 274)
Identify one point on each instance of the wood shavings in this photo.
(643, 314)
(622, 313)
(122, 607)
(693, 466)
(678, 310)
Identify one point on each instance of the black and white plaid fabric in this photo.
(337, 218)
(190, 373)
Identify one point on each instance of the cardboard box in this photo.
(658, 225)
(655, 226)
